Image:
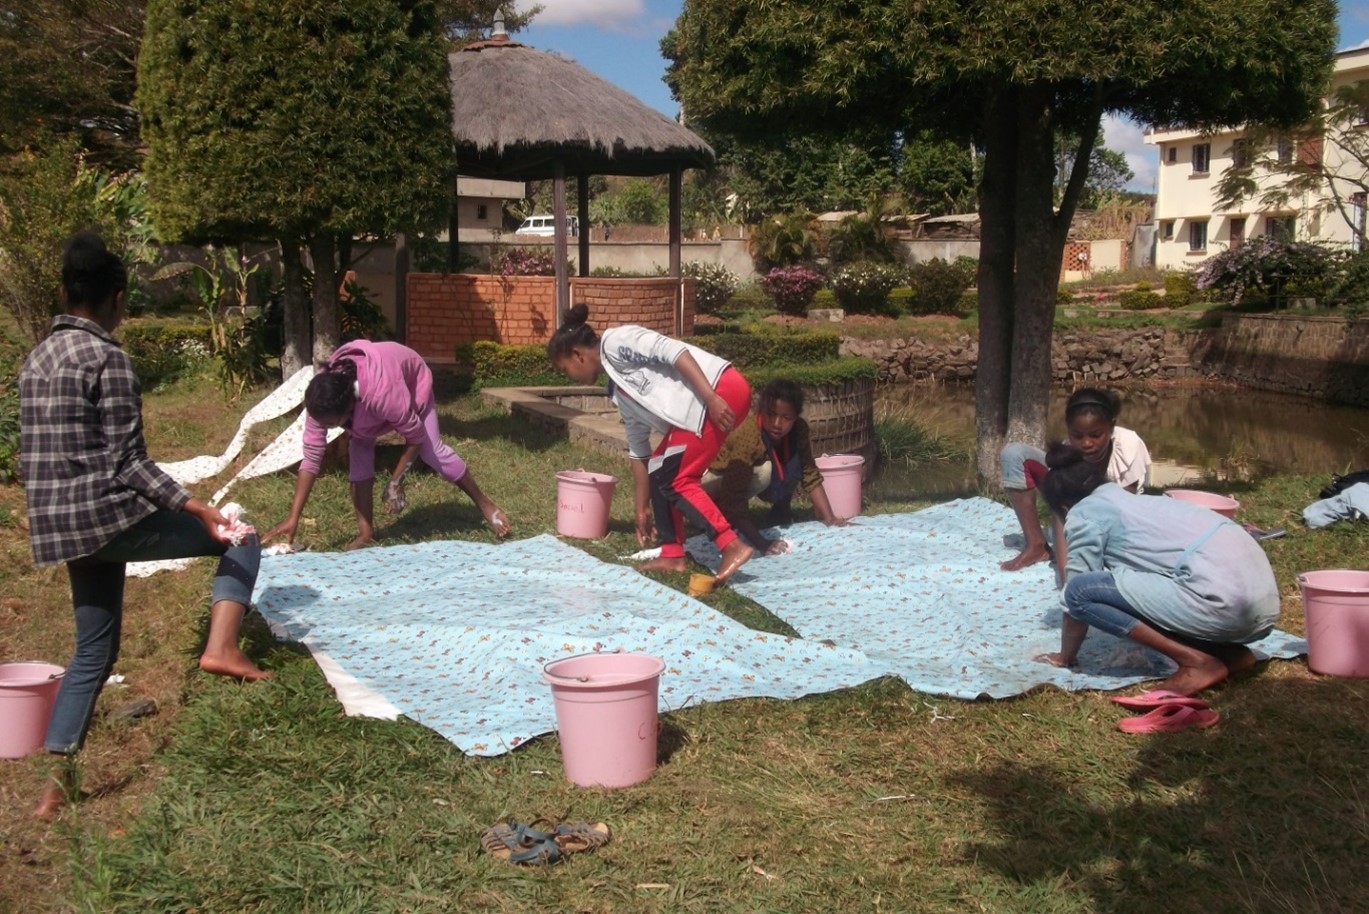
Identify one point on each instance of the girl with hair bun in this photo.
(371, 389)
(1091, 422)
(693, 398)
(1173, 576)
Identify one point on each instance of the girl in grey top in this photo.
(1171, 575)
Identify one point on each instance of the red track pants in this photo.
(677, 465)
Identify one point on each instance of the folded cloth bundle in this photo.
(237, 529)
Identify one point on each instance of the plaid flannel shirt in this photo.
(87, 476)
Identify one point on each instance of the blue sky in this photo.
(620, 40)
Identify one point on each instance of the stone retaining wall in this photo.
(1322, 357)
(1098, 356)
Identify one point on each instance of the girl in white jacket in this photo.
(692, 398)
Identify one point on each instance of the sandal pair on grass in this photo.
(516, 842)
(1166, 712)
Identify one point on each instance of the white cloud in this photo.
(615, 15)
(1126, 136)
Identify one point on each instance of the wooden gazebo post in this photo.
(676, 181)
(558, 197)
(582, 207)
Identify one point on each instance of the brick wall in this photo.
(448, 309)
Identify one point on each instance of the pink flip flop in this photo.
(1160, 698)
(1170, 718)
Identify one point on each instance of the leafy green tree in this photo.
(48, 193)
(787, 172)
(300, 121)
(1325, 160)
(643, 201)
(1011, 76)
(68, 67)
(1108, 171)
(937, 175)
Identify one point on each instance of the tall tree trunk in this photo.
(295, 348)
(327, 322)
(1038, 267)
(997, 248)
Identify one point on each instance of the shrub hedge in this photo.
(164, 351)
(802, 354)
(1139, 299)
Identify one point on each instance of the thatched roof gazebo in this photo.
(523, 114)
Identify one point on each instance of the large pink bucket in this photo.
(1222, 504)
(841, 482)
(606, 715)
(1336, 604)
(583, 500)
(27, 693)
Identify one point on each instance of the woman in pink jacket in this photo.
(371, 389)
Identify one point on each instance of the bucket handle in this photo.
(51, 676)
(550, 674)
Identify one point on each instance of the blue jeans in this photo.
(1093, 598)
(97, 597)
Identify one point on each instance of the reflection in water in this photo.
(1194, 435)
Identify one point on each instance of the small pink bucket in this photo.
(27, 693)
(606, 716)
(583, 500)
(1222, 504)
(841, 482)
(1336, 604)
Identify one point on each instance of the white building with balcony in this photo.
(1191, 225)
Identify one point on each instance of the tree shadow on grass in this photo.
(512, 428)
(1267, 811)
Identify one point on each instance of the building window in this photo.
(1236, 233)
(1197, 235)
(1283, 150)
(1172, 155)
(1240, 153)
(482, 212)
(1166, 229)
(1280, 228)
(1202, 156)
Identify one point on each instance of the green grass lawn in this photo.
(266, 798)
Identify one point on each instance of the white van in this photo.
(545, 226)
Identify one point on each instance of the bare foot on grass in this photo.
(233, 663)
(1190, 680)
(53, 800)
(662, 563)
(1029, 556)
(735, 554)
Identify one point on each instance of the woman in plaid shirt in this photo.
(96, 501)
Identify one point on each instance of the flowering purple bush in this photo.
(792, 288)
(527, 262)
(1271, 268)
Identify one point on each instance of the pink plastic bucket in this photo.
(1336, 604)
(841, 482)
(27, 693)
(582, 503)
(606, 715)
(1222, 504)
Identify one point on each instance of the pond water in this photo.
(1201, 436)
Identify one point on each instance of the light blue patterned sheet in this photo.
(922, 596)
(455, 634)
